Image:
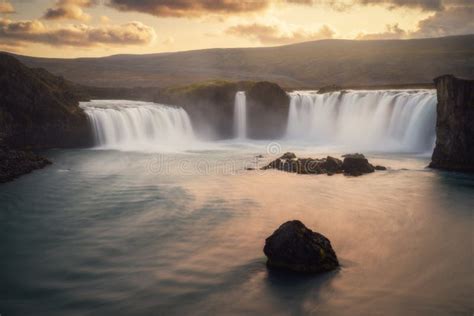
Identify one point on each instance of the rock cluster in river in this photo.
(352, 165)
(297, 248)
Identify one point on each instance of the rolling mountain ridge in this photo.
(304, 65)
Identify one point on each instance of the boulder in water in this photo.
(288, 155)
(332, 165)
(380, 168)
(356, 165)
(295, 247)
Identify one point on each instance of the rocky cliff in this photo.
(38, 109)
(455, 124)
(211, 105)
(267, 105)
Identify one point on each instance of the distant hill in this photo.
(305, 65)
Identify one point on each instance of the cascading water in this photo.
(133, 125)
(240, 115)
(398, 120)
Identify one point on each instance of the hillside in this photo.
(304, 65)
(38, 109)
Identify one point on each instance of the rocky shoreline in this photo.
(16, 163)
(353, 165)
(37, 111)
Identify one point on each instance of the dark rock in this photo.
(332, 165)
(249, 169)
(267, 107)
(309, 166)
(38, 109)
(210, 105)
(288, 155)
(14, 163)
(353, 164)
(356, 155)
(275, 164)
(380, 168)
(356, 165)
(296, 248)
(330, 88)
(259, 156)
(455, 124)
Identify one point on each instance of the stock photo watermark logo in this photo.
(194, 164)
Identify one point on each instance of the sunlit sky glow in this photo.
(73, 28)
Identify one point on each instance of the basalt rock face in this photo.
(267, 107)
(39, 110)
(455, 125)
(211, 105)
(296, 248)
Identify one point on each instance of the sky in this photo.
(90, 28)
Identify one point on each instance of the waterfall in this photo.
(240, 115)
(398, 120)
(133, 125)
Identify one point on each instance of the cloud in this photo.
(80, 35)
(425, 5)
(456, 20)
(66, 12)
(168, 41)
(6, 7)
(428, 5)
(392, 32)
(104, 19)
(69, 9)
(190, 8)
(200, 8)
(278, 34)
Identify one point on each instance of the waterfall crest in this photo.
(398, 120)
(134, 125)
(240, 115)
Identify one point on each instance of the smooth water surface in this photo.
(123, 233)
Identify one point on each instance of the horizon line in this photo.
(243, 47)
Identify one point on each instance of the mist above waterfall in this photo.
(365, 120)
(134, 125)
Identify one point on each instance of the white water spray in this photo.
(365, 120)
(133, 125)
(240, 115)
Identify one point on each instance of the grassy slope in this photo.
(311, 64)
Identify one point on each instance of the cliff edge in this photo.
(38, 109)
(455, 125)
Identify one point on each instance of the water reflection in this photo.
(108, 237)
